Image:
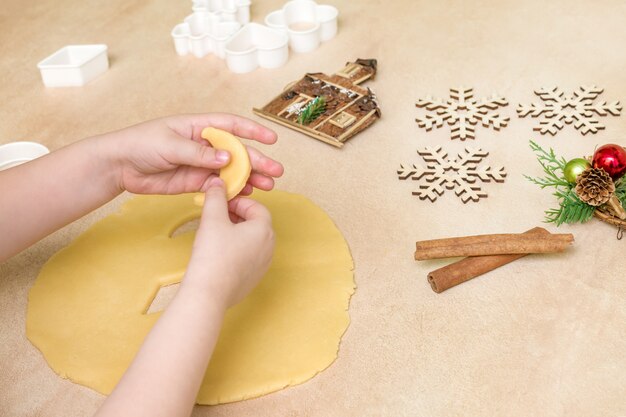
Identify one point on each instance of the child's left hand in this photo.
(168, 156)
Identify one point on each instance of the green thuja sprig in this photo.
(312, 111)
(552, 167)
(571, 209)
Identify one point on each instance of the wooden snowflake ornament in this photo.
(579, 108)
(460, 174)
(462, 112)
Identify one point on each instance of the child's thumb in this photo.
(182, 151)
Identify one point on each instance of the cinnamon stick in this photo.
(471, 267)
(499, 244)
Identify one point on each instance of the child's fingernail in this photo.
(216, 182)
(222, 156)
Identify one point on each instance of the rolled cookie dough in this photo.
(87, 308)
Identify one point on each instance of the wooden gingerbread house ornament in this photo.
(328, 108)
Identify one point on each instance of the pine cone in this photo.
(594, 186)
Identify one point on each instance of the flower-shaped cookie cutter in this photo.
(229, 10)
(306, 23)
(202, 33)
(210, 25)
(256, 45)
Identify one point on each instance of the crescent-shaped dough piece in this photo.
(235, 175)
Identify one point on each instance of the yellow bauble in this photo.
(87, 310)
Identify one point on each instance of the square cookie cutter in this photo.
(74, 65)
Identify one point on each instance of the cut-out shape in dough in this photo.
(236, 173)
(190, 226)
(162, 298)
(85, 310)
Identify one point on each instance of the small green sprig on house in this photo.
(312, 111)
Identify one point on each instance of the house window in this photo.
(295, 106)
(349, 70)
(342, 119)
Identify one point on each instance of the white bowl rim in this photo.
(24, 142)
(27, 151)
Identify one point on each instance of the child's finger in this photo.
(242, 127)
(215, 204)
(263, 164)
(262, 182)
(191, 126)
(181, 151)
(248, 210)
(247, 190)
(234, 218)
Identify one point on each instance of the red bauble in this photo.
(612, 159)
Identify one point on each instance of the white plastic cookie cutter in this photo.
(229, 10)
(210, 25)
(306, 23)
(222, 27)
(203, 33)
(74, 65)
(256, 46)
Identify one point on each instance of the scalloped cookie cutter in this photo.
(210, 26)
(254, 46)
(222, 27)
(306, 23)
(229, 10)
(202, 33)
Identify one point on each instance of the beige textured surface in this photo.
(544, 336)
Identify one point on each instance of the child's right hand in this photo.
(233, 247)
(232, 251)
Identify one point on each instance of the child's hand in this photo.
(168, 156)
(229, 259)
